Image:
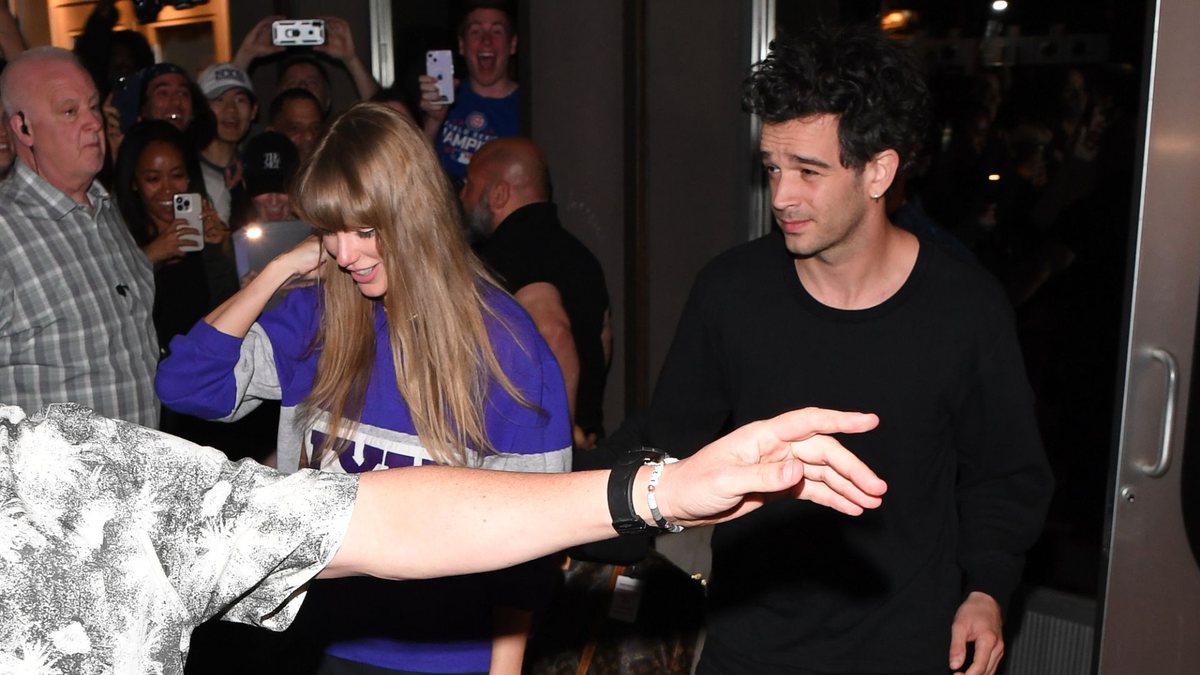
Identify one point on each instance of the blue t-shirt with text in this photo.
(473, 121)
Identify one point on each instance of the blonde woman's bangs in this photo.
(374, 169)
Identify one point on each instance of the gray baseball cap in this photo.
(221, 77)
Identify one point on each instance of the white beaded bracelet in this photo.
(652, 499)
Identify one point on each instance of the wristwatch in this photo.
(625, 519)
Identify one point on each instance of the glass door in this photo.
(1151, 595)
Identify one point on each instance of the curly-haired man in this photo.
(839, 307)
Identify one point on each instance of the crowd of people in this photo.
(440, 314)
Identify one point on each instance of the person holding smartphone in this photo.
(153, 166)
(405, 352)
(307, 71)
(487, 105)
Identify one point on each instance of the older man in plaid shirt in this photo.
(75, 292)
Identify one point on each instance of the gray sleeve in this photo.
(555, 461)
(255, 374)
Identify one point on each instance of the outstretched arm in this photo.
(502, 518)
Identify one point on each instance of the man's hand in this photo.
(339, 42)
(215, 229)
(257, 43)
(783, 455)
(584, 440)
(977, 620)
(435, 110)
(112, 126)
(234, 173)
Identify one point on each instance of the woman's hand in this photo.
(303, 260)
(302, 263)
(167, 246)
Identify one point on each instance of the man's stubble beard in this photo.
(479, 220)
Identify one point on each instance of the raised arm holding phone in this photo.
(329, 35)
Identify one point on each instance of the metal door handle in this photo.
(1163, 461)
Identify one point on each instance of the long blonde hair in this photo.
(375, 169)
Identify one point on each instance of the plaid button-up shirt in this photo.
(75, 303)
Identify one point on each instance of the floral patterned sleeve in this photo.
(117, 540)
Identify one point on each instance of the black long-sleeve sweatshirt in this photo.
(798, 587)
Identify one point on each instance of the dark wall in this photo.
(572, 54)
(697, 52)
(696, 150)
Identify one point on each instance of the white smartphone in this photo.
(298, 32)
(189, 206)
(439, 64)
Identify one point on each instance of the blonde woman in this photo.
(404, 352)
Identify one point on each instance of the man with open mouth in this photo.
(487, 104)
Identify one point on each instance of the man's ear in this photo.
(19, 129)
(498, 195)
(513, 49)
(462, 48)
(881, 171)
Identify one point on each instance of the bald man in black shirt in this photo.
(506, 197)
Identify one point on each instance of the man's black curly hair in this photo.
(871, 84)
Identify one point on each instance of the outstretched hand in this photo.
(785, 455)
(501, 518)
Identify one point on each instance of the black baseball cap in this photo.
(268, 163)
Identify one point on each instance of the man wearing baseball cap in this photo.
(167, 94)
(271, 161)
(231, 97)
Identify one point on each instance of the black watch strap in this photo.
(625, 519)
